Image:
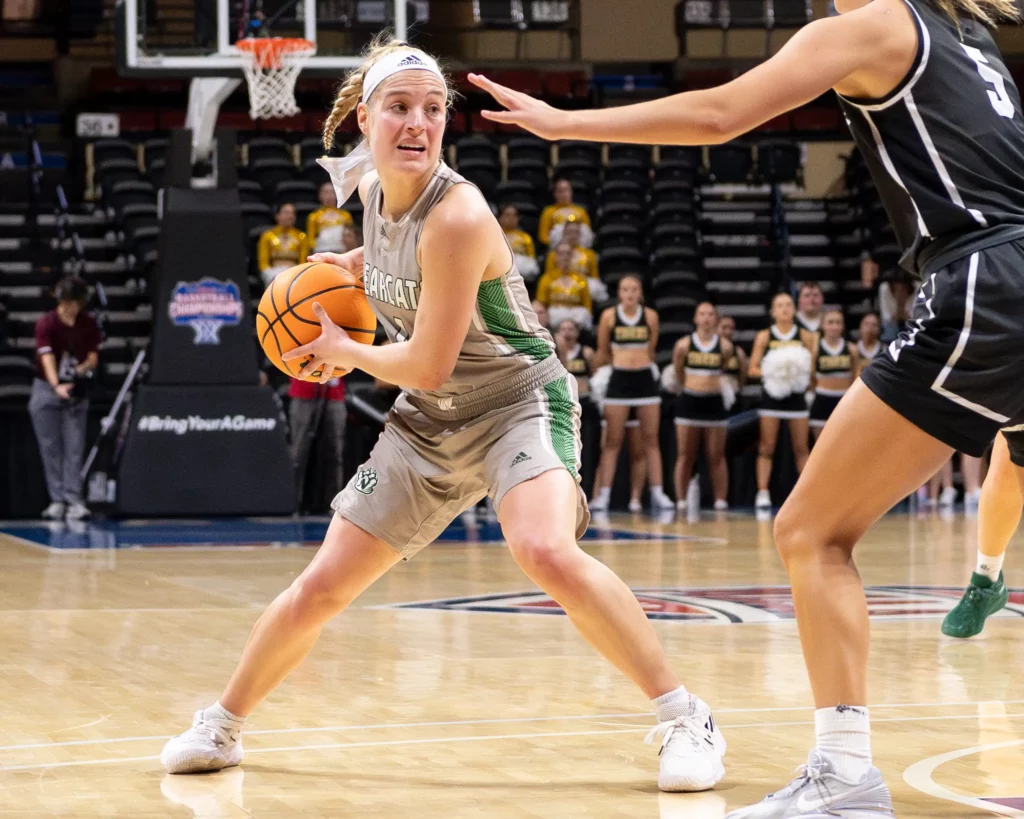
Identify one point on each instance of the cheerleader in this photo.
(627, 336)
(782, 389)
(836, 364)
(734, 374)
(700, 411)
(577, 358)
(869, 345)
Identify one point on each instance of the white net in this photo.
(271, 69)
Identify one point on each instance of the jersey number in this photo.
(1000, 100)
(403, 331)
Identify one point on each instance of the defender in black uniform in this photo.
(933, 108)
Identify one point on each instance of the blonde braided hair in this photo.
(351, 91)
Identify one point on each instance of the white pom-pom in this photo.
(527, 266)
(785, 371)
(599, 385)
(669, 382)
(598, 289)
(727, 385)
(581, 315)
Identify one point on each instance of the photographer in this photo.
(67, 344)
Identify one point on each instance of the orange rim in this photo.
(269, 50)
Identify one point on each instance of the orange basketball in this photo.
(285, 319)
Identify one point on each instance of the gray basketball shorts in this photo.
(424, 472)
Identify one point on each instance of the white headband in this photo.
(406, 59)
(346, 171)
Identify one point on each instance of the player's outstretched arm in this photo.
(820, 56)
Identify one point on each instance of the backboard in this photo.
(165, 38)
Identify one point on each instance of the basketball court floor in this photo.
(453, 688)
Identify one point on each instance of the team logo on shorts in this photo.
(366, 480)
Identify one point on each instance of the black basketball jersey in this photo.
(946, 147)
(630, 333)
(704, 359)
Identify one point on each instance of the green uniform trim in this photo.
(501, 321)
(560, 422)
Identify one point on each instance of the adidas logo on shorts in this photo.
(412, 59)
(521, 458)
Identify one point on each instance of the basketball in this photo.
(285, 319)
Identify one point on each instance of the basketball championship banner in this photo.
(202, 318)
(205, 451)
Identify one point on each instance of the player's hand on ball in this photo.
(351, 261)
(325, 352)
(523, 110)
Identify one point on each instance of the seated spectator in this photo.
(280, 247)
(325, 226)
(67, 354)
(520, 241)
(565, 292)
(584, 260)
(560, 212)
(896, 296)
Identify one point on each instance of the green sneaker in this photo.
(982, 599)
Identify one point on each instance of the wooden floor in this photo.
(480, 700)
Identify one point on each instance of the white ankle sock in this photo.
(218, 711)
(843, 734)
(657, 491)
(604, 493)
(674, 704)
(990, 566)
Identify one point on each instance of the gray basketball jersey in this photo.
(504, 338)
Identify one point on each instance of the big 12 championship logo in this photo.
(205, 306)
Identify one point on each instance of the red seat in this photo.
(479, 125)
(138, 120)
(816, 119)
(777, 124)
(171, 119)
(566, 84)
(529, 82)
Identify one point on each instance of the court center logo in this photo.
(205, 306)
(366, 480)
(730, 604)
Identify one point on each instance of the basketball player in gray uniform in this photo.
(487, 409)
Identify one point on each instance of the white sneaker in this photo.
(691, 752)
(598, 504)
(55, 511)
(78, 511)
(681, 505)
(721, 505)
(209, 745)
(972, 498)
(763, 500)
(635, 506)
(817, 793)
(948, 496)
(661, 501)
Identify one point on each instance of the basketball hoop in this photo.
(271, 66)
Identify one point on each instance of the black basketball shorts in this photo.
(957, 369)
